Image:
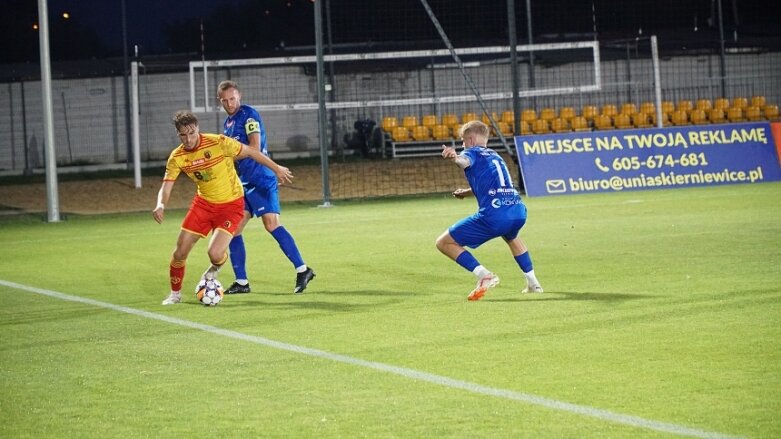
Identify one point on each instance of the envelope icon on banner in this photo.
(555, 186)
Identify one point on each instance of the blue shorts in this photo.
(476, 230)
(260, 200)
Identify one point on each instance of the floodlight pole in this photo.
(52, 197)
(321, 114)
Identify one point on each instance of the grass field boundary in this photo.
(562, 406)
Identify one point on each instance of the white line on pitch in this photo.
(583, 410)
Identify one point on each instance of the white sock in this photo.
(242, 282)
(481, 272)
(211, 272)
(531, 279)
(176, 293)
(301, 269)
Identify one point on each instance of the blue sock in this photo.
(467, 261)
(238, 257)
(288, 246)
(525, 262)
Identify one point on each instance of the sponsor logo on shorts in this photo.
(499, 202)
(227, 225)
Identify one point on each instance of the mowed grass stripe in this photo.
(592, 412)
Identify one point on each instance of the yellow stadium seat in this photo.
(525, 129)
(628, 109)
(528, 116)
(680, 117)
(440, 132)
(540, 126)
(721, 104)
(685, 105)
(421, 133)
(466, 117)
(703, 104)
(698, 117)
(716, 115)
(456, 129)
(667, 107)
(505, 128)
(449, 119)
(589, 112)
(641, 120)
(622, 121)
(429, 120)
(753, 113)
(559, 125)
(388, 123)
(735, 114)
(400, 134)
(603, 122)
(508, 117)
(648, 108)
(547, 114)
(579, 123)
(409, 122)
(487, 121)
(758, 101)
(609, 110)
(771, 112)
(739, 102)
(567, 113)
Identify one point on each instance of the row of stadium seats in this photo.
(684, 112)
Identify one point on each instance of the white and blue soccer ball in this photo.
(209, 292)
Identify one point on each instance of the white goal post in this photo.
(204, 104)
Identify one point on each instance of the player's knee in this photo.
(217, 257)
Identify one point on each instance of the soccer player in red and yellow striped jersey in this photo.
(218, 205)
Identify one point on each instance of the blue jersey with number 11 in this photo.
(492, 185)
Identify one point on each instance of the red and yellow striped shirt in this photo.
(210, 166)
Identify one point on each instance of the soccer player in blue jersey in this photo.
(261, 195)
(501, 212)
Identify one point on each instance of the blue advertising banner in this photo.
(639, 159)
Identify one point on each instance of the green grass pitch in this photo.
(661, 318)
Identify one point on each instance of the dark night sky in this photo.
(94, 29)
(145, 18)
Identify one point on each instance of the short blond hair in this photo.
(227, 84)
(474, 127)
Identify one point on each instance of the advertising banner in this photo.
(654, 158)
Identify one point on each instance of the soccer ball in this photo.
(209, 292)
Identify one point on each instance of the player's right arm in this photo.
(283, 174)
(449, 153)
(163, 195)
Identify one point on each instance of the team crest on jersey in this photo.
(492, 192)
(207, 154)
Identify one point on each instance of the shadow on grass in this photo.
(564, 295)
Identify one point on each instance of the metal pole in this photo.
(657, 81)
(126, 71)
(532, 83)
(321, 114)
(136, 130)
(514, 66)
(52, 197)
(722, 60)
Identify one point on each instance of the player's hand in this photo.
(461, 193)
(284, 175)
(448, 152)
(159, 213)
